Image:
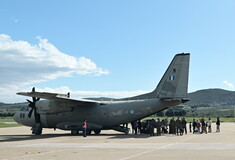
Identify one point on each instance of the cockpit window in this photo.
(25, 108)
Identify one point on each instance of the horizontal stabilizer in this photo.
(183, 100)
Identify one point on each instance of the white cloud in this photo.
(22, 64)
(228, 84)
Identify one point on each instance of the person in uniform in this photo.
(136, 127)
(194, 125)
(218, 125)
(190, 127)
(133, 127)
(158, 125)
(174, 126)
(170, 127)
(178, 124)
(184, 125)
(203, 126)
(151, 127)
(209, 125)
(139, 126)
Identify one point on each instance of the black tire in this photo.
(97, 131)
(37, 132)
(74, 132)
(127, 131)
(88, 132)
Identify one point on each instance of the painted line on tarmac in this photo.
(35, 154)
(145, 152)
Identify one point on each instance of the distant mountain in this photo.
(12, 107)
(201, 98)
(204, 98)
(212, 97)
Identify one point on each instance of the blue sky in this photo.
(112, 48)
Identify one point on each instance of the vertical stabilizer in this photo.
(174, 83)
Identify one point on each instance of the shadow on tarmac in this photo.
(15, 138)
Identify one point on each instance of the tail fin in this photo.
(174, 83)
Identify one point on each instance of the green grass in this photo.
(222, 119)
(190, 119)
(6, 119)
(3, 123)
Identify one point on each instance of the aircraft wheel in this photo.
(88, 132)
(74, 132)
(37, 130)
(97, 131)
(127, 131)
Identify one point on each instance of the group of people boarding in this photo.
(177, 127)
(204, 126)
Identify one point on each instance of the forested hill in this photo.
(212, 97)
(201, 98)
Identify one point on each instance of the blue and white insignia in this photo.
(132, 111)
(171, 78)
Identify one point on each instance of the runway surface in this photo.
(17, 143)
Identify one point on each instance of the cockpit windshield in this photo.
(25, 108)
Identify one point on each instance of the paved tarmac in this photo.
(17, 143)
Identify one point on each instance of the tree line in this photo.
(171, 113)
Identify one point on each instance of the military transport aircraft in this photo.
(62, 112)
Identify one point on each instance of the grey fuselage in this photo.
(99, 116)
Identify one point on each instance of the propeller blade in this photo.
(32, 105)
(29, 101)
(30, 113)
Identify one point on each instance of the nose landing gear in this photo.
(37, 129)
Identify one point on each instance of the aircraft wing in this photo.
(183, 100)
(57, 97)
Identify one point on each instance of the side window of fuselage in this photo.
(23, 109)
(22, 115)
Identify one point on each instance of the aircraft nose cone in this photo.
(15, 117)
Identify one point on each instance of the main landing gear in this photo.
(77, 132)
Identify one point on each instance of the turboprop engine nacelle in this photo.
(52, 107)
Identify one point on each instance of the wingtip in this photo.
(22, 93)
(19, 93)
